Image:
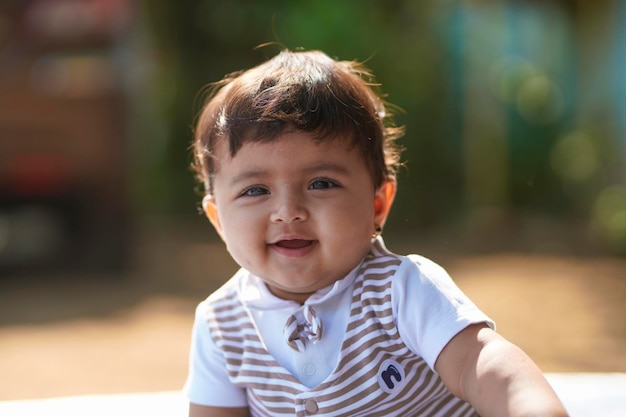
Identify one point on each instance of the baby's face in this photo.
(296, 213)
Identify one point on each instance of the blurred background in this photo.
(515, 176)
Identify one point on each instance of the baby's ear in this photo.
(383, 199)
(210, 209)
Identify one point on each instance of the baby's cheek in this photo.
(241, 256)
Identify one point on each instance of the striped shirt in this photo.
(377, 373)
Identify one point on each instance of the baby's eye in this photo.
(322, 184)
(254, 191)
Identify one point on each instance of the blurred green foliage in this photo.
(501, 110)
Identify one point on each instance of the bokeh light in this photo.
(610, 216)
(574, 157)
(540, 100)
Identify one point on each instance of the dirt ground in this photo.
(65, 335)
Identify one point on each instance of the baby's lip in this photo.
(293, 247)
(293, 243)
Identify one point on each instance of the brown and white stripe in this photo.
(376, 375)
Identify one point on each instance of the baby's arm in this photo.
(202, 411)
(495, 376)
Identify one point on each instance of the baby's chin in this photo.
(298, 295)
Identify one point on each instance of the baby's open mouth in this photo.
(294, 243)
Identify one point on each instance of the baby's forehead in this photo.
(287, 145)
(226, 147)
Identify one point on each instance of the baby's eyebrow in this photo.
(327, 166)
(246, 175)
(323, 166)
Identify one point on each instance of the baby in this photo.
(298, 158)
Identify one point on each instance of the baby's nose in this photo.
(289, 209)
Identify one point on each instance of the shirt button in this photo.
(309, 369)
(311, 406)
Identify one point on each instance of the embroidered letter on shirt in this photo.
(390, 376)
(296, 332)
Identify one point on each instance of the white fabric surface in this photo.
(584, 395)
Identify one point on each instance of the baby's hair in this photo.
(302, 91)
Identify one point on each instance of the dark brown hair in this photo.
(305, 91)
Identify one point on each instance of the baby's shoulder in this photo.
(405, 266)
(418, 269)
